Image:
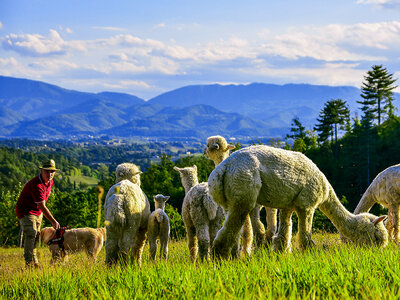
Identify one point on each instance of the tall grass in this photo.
(330, 270)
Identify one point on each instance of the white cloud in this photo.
(1, 25)
(38, 45)
(391, 4)
(161, 25)
(336, 42)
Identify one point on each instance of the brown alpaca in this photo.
(88, 239)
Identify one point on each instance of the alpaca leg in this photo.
(281, 241)
(126, 253)
(203, 237)
(227, 236)
(305, 227)
(395, 222)
(164, 248)
(258, 226)
(389, 224)
(247, 237)
(192, 242)
(271, 217)
(139, 244)
(111, 245)
(153, 248)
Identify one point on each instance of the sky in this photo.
(146, 48)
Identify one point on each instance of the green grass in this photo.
(329, 271)
(84, 179)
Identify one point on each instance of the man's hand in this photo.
(55, 225)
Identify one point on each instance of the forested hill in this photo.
(251, 111)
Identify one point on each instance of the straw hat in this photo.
(49, 165)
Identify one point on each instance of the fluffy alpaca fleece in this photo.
(288, 181)
(201, 215)
(127, 211)
(385, 190)
(158, 228)
(217, 150)
(89, 240)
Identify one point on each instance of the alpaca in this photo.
(158, 228)
(127, 211)
(385, 190)
(214, 144)
(88, 239)
(288, 181)
(201, 215)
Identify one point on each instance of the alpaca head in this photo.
(369, 230)
(128, 171)
(159, 201)
(188, 177)
(217, 149)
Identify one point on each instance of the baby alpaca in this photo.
(159, 228)
(288, 181)
(127, 212)
(89, 240)
(201, 215)
(385, 190)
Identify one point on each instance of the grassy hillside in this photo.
(84, 180)
(330, 271)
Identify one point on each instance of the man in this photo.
(30, 206)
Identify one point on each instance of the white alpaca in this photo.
(385, 190)
(201, 215)
(288, 181)
(127, 211)
(158, 228)
(214, 144)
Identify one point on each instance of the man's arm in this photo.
(48, 215)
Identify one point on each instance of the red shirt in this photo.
(34, 192)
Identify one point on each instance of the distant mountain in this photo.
(33, 109)
(198, 121)
(38, 99)
(275, 104)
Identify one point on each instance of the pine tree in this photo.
(377, 93)
(303, 139)
(334, 116)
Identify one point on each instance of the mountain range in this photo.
(37, 110)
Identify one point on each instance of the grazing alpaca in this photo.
(201, 215)
(127, 212)
(158, 228)
(385, 190)
(87, 239)
(214, 144)
(288, 181)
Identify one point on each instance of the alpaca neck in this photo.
(160, 206)
(365, 204)
(220, 158)
(189, 182)
(338, 214)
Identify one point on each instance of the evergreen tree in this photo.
(303, 139)
(334, 116)
(377, 93)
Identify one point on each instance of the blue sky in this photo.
(149, 47)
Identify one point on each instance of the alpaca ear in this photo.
(195, 167)
(166, 198)
(379, 219)
(230, 147)
(138, 173)
(177, 169)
